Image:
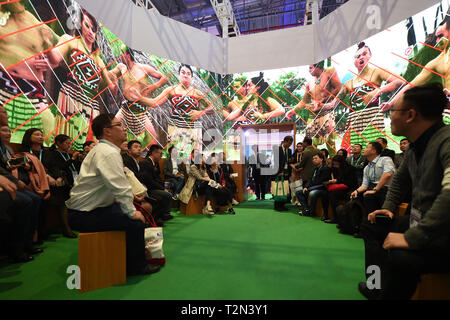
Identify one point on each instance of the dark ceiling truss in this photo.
(251, 15)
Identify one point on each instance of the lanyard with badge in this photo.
(40, 154)
(374, 171)
(72, 167)
(315, 172)
(357, 161)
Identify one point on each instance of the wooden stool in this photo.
(402, 209)
(193, 206)
(319, 209)
(433, 286)
(102, 259)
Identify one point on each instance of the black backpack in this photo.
(349, 216)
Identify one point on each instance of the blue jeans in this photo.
(30, 204)
(314, 195)
(177, 183)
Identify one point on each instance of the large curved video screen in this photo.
(60, 68)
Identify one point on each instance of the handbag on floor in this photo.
(153, 237)
(280, 189)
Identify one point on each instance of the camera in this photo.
(20, 161)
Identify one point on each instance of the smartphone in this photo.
(18, 161)
(382, 219)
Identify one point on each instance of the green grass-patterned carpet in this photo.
(257, 254)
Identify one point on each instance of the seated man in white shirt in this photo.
(376, 177)
(101, 198)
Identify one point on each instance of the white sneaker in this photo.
(210, 209)
(234, 202)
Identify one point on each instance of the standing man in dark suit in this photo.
(131, 159)
(386, 152)
(307, 164)
(281, 157)
(149, 175)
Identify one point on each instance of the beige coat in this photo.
(194, 174)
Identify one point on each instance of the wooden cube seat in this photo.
(102, 259)
(196, 205)
(433, 286)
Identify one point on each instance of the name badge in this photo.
(415, 217)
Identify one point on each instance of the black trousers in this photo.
(113, 219)
(163, 203)
(400, 268)
(260, 185)
(223, 196)
(374, 202)
(335, 196)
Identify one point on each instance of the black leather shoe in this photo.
(330, 221)
(231, 211)
(323, 218)
(167, 216)
(151, 268)
(148, 269)
(374, 294)
(69, 235)
(23, 258)
(34, 250)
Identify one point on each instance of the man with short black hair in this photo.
(376, 177)
(149, 175)
(419, 243)
(315, 188)
(358, 161)
(101, 198)
(131, 158)
(385, 152)
(400, 156)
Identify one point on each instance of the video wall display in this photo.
(60, 68)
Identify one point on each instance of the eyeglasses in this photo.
(115, 125)
(400, 109)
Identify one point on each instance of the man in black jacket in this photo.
(315, 188)
(281, 158)
(131, 159)
(386, 152)
(149, 175)
(405, 247)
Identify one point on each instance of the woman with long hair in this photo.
(197, 183)
(221, 193)
(77, 97)
(188, 105)
(256, 108)
(342, 173)
(34, 175)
